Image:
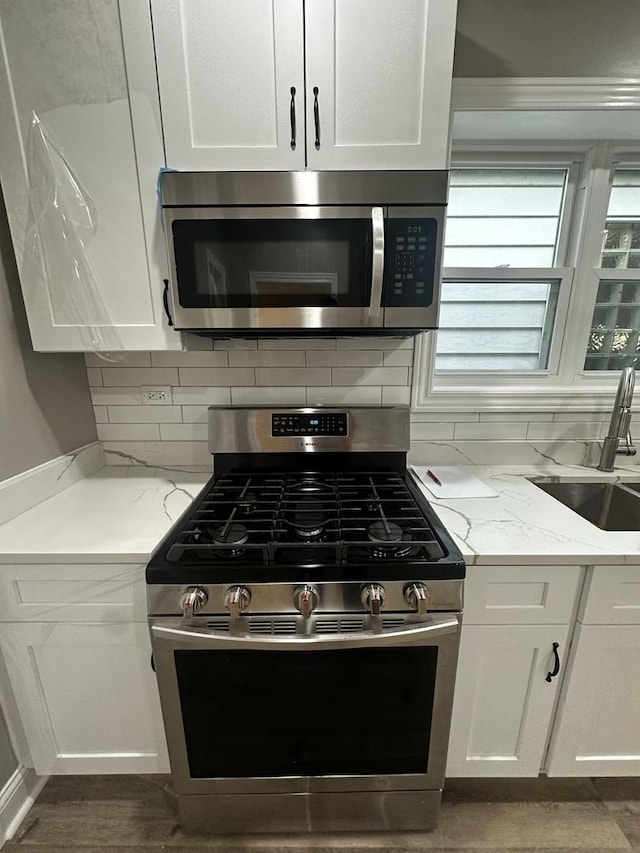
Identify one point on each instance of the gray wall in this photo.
(45, 407)
(547, 38)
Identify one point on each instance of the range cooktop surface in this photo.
(276, 525)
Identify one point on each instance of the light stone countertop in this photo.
(525, 525)
(119, 514)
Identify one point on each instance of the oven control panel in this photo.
(334, 423)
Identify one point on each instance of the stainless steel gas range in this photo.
(305, 620)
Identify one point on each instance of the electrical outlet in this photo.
(156, 395)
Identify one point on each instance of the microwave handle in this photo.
(377, 266)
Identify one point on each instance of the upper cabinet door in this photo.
(82, 210)
(226, 70)
(379, 83)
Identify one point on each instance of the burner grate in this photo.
(310, 518)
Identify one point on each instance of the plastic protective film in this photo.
(62, 223)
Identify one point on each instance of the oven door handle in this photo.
(377, 265)
(414, 633)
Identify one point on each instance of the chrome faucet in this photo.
(619, 428)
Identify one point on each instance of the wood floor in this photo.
(122, 814)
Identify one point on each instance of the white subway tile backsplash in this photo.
(398, 358)
(566, 430)
(184, 432)
(276, 396)
(345, 358)
(122, 376)
(297, 343)
(217, 376)
(144, 414)
(375, 343)
(293, 376)
(94, 375)
(118, 359)
(206, 358)
(128, 432)
(431, 431)
(195, 414)
(202, 395)
(267, 358)
(298, 372)
(490, 431)
(441, 417)
(575, 417)
(513, 417)
(117, 396)
(369, 376)
(158, 453)
(236, 343)
(370, 395)
(396, 395)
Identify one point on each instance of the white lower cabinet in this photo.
(503, 703)
(597, 732)
(87, 696)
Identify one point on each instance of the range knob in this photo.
(372, 597)
(193, 600)
(417, 596)
(305, 599)
(236, 600)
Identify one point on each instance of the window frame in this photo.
(565, 385)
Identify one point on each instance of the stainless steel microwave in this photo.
(291, 253)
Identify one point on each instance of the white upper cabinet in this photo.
(83, 216)
(378, 83)
(231, 78)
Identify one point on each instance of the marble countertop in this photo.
(117, 515)
(524, 525)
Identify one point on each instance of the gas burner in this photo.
(393, 551)
(390, 539)
(248, 503)
(231, 534)
(312, 487)
(385, 532)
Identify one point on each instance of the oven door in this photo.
(280, 268)
(357, 711)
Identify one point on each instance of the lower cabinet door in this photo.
(87, 696)
(503, 703)
(597, 730)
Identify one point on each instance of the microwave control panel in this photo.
(409, 264)
(309, 424)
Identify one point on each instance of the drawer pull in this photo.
(556, 665)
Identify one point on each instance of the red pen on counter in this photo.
(433, 477)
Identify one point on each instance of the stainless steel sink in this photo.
(607, 505)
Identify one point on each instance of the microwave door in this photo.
(283, 269)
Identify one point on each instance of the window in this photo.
(614, 339)
(501, 283)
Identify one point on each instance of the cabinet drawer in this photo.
(523, 595)
(72, 593)
(612, 596)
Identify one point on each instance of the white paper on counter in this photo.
(457, 482)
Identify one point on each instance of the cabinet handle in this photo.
(153, 663)
(556, 665)
(165, 299)
(292, 114)
(316, 115)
